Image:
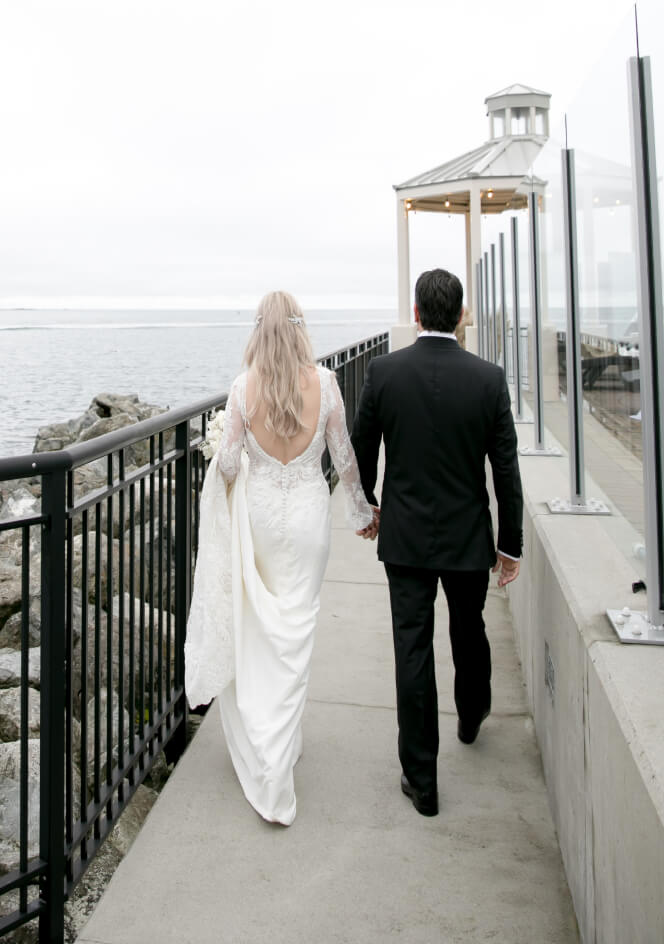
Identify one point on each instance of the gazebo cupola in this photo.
(516, 111)
(485, 180)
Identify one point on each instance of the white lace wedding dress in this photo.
(279, 524)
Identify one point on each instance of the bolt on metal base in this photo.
(562, 506)
(546, 451)
(634, 627)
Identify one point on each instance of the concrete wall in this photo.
(598, 708)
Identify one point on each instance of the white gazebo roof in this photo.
(504, 157)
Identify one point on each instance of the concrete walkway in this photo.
(359, 864)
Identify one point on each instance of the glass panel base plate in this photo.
(631, 626)
(547, 451)
(562, 506)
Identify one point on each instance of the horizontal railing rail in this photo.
(97, 593)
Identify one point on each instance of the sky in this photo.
(207, 151)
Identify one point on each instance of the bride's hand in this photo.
(371, 530)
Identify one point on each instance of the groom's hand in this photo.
(507, 569)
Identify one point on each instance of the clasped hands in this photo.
(371, 530)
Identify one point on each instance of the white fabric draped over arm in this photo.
(232, 437)
(358, 509)
(209, 645)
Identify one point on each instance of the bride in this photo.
(279, 417)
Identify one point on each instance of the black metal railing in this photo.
(113, 567)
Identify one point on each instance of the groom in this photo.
(441, 412)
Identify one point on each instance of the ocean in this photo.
(52, 363)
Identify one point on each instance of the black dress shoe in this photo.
(467, 735)
(424, 803)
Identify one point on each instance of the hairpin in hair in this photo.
(297, 321)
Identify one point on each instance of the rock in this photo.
(20, 503)
(10, 772)
(10, 713)
(10, 760)
(106, 413)
(106, 424)
(94, 881)
(9, 903)
(10, 668)
(159, 773)
(103, 741)
(78, 574)
(61, 435)
(109, 404)
(129, 825)
(89, 889)
(10, 633)
(10, 591)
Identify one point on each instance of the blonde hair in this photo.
(278, 350)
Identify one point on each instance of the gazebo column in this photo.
(473, 254)
(403, 333)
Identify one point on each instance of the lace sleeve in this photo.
(358, 509)
(232, 437)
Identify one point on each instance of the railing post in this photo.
(503, 299)
(648, 627)
(577, 505)
(480, 307)
(536, 323)
(182, 562)
(52, 707)
(493, 303)
(516, 324)
(487, 316)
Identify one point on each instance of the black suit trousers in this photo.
(412, 596)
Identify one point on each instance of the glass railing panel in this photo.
(598, 123)
(547, 182)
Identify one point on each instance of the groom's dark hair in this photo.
(438, 296)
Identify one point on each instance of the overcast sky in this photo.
(222, 148)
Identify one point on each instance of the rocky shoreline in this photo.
(106, 413)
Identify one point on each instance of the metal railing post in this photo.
(648, 627)
(516, 323)
(487, 314)
(480, 311)
(539, 448)
(52, 707)
(182, 576)
(493, 303)
(577, 504)
(503, 298)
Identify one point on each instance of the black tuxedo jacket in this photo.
(441, 411)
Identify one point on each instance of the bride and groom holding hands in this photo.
(265, 533)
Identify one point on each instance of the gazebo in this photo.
(484, 180)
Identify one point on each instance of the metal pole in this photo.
(487, 316)
(648, 627)
(573, 340)
(516, 321)
(536, 333)
(503, 299)
(182, 577)
(52, 707)
(535, 320)
(577, 505)
(493, 303)
(480, 299)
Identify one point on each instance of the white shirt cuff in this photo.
(508, 555)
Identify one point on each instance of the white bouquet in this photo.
(215, 427)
